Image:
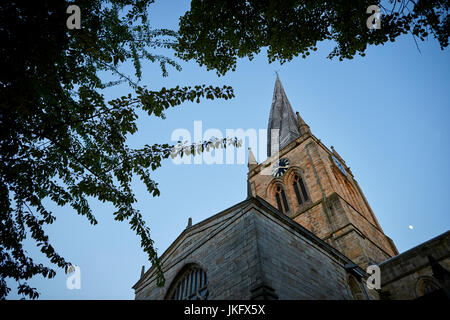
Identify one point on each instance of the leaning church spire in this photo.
(281, 118)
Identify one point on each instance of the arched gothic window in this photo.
(300, 189)
(190, 284)
(281, 199)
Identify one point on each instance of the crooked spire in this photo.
(281, 118)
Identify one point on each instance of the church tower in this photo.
(312, 185)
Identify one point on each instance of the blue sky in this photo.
(387, 115)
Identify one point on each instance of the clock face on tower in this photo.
(280, 167)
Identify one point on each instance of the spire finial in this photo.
(189, 223)
(302, 126)
(249, 190)
(252, 163)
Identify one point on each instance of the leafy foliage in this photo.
(217, 32)
(181, 149)
(60, 140)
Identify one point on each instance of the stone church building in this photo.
(305, 231)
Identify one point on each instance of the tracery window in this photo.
(300, 189)
(281, 199)
(191, 284)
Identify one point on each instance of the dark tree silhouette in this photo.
(217, 32)
(59, 139)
